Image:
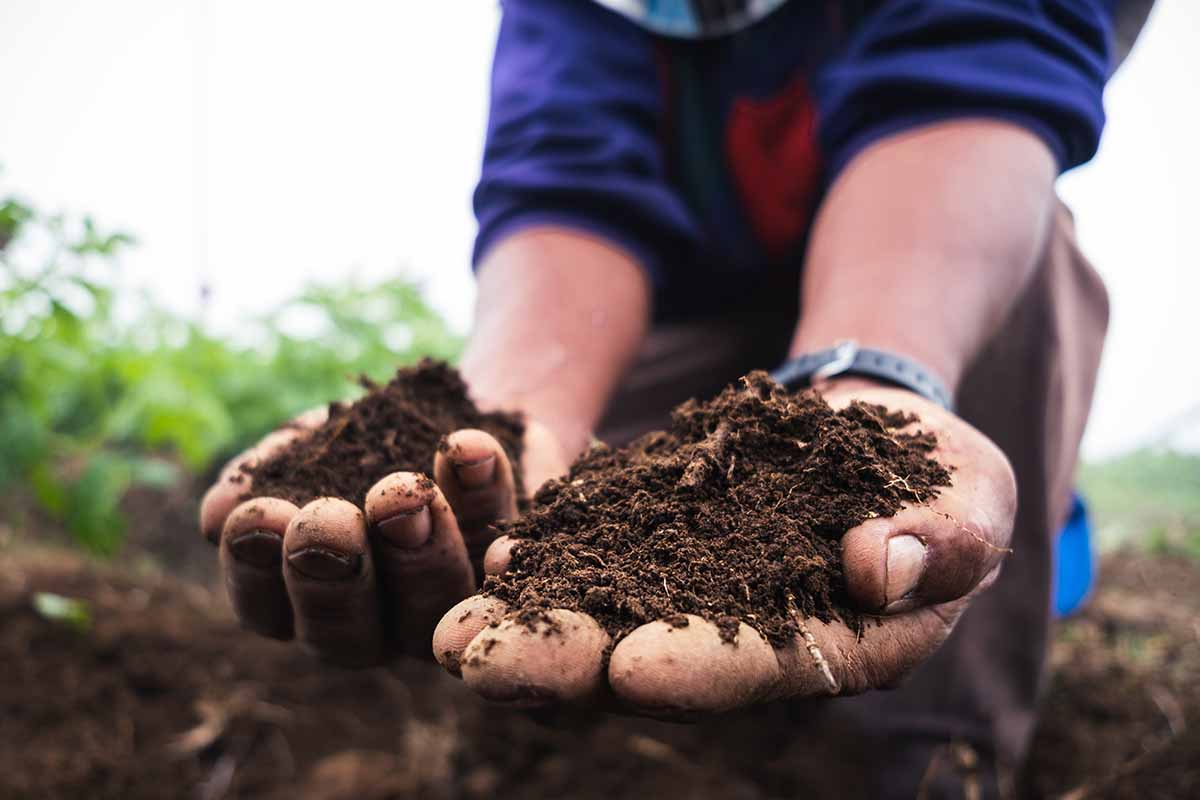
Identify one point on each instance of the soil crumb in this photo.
(397, 426)
(735, 514)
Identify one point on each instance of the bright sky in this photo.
(254, 146)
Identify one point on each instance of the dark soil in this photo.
(394, 427)
(163, 696)
(1122, 715)
(735, 514)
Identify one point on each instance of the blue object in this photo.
(706, 160)
(1073, 561)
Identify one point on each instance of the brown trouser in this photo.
(960, 724)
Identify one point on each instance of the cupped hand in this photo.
(359, 585)
(914, 572)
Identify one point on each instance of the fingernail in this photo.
(409, 529)
(905, 563)
(322, 564)
(262, 549)
(476, 474)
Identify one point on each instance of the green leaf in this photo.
(23, 439)
(93, 242)
(13, 216)
(154, 472)
(92, 510)
(50, 491)
(66, 610)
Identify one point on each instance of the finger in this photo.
(538, 658)
(308, 420)
(828, 658)
(330, 580)
(460, 625)
(474, 473)
(419, 555)
(677, 669)
(499, 555)
(941, 550)
(251, 556)
(233, 484)
(925, 555)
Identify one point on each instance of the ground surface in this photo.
(161, 696)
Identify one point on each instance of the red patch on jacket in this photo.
(775, 161)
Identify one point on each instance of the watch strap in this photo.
(847, 358)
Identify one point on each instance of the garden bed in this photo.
(162, 695)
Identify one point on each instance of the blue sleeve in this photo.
(1038, 63)
(573, 133)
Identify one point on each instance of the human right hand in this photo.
(361, 585)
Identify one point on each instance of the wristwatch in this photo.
(847, 358)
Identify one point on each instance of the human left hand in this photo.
(916, 572)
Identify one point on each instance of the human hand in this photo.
(915, 572)
(358, 586)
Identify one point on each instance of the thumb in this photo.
(924, 555)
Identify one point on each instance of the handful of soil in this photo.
(735, 515)
(394, 427)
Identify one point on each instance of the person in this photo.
(675, 193)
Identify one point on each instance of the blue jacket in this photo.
(708, 158)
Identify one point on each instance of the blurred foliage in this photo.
(103, 389)
(64, 610)
(1149, 498)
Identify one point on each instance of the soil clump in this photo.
(735, 514)
(396, 426)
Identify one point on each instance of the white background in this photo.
(252, 146)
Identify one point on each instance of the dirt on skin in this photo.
(161, 695)
(734, 514)
(396, 426)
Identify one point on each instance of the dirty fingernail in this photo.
(409, 529)
(323, 564)
(262, 549)
(905, 563)
(476, 474)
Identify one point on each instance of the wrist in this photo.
(848, 359)
(559, 316)
(570, 436)
(571, 433)
(936, 357)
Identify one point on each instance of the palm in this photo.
(917, 571)
(359, 585)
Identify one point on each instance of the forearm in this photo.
(925, 241)
(558, 318)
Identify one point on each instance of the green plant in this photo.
(1149, 498)
(103, 389)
